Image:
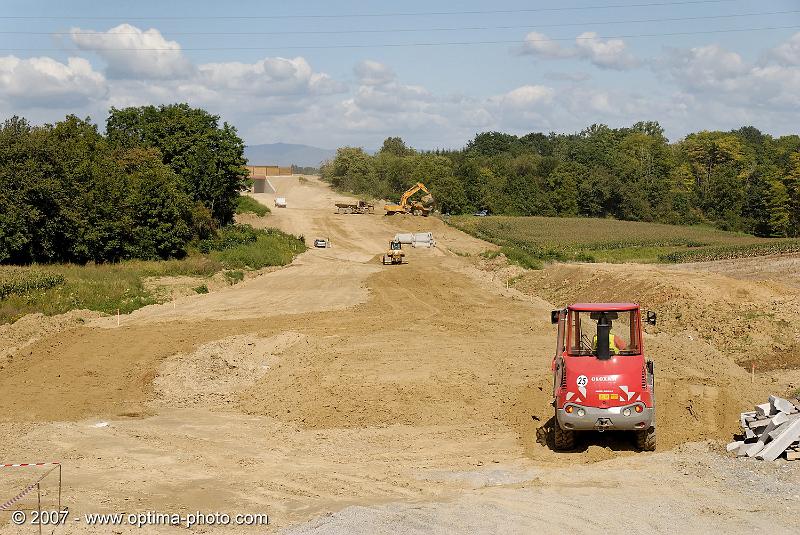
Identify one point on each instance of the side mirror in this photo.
(651, 317)
(554, 314)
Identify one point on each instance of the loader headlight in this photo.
(568, 409)
(581, 413)
(627, 411)
(638, 408)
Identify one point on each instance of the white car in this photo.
(321, 243)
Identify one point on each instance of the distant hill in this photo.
(287, 154)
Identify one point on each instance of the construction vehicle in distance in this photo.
(395, 254)
(360, 207)
(280, 202)
(406, 206)
(602, 380)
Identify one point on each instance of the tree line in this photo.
(742, 180)
(157, 178)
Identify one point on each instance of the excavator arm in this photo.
(416, 208)
(419, 186)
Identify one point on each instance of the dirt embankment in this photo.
(711, 327)
(337, 381)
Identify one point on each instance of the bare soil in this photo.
(342, 396)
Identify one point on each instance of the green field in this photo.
(55, 289)
(533, 239)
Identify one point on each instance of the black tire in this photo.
(646, 440)
(563, 439)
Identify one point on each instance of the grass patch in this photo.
(515, 256)
(234, 277)
(247, 204)
(271, 248)
(608, 240)
(55, 289)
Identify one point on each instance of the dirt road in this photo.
(341, 396)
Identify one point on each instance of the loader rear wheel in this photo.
(563, 439)
(646, 440)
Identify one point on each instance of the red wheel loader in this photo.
(602, 379)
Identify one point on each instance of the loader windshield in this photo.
(623, 339)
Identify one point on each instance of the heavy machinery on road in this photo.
(422, 207)
(602, 380)
(395, 254)
(360, 207)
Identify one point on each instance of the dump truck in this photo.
(360, 207)
(395, 254)
(602, 380)
(407, 206)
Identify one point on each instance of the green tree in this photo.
(208, 158)
(395, 146)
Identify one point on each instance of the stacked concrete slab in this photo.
(771, 430)
(417, 239)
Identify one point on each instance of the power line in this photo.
(365, 15)
(418, 44)
(418, 30)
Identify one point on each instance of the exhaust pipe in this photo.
(603, 334)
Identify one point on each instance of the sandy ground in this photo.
(341, 396)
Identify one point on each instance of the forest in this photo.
(742, 180)
(158, 178)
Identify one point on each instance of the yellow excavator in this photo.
(407, 206)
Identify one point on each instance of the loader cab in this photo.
(601, 378)
(395, 245)
(581, 327)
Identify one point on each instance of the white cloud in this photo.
(724, 77)
(527, 96)
(269, 76)
(788, 53)
(134, 53)
(607, 54)
(538, 44)
(369, 72)
(706, 67)
(45, 82)
(603, 53)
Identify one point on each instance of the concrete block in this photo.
(755, 449)
(749, 433)
(781, 405)
(734, 446)
(796, 403)
(780, 418)
(765, 409)
(761, 422)
(793, 455)
(746, 417)
(742, 451)
(776, 432)
(778, 445)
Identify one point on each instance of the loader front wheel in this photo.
(563, 439)
(646, 440)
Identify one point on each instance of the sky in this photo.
(435, 73)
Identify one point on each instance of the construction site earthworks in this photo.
(339, 395)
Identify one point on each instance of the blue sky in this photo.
(320, 73)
